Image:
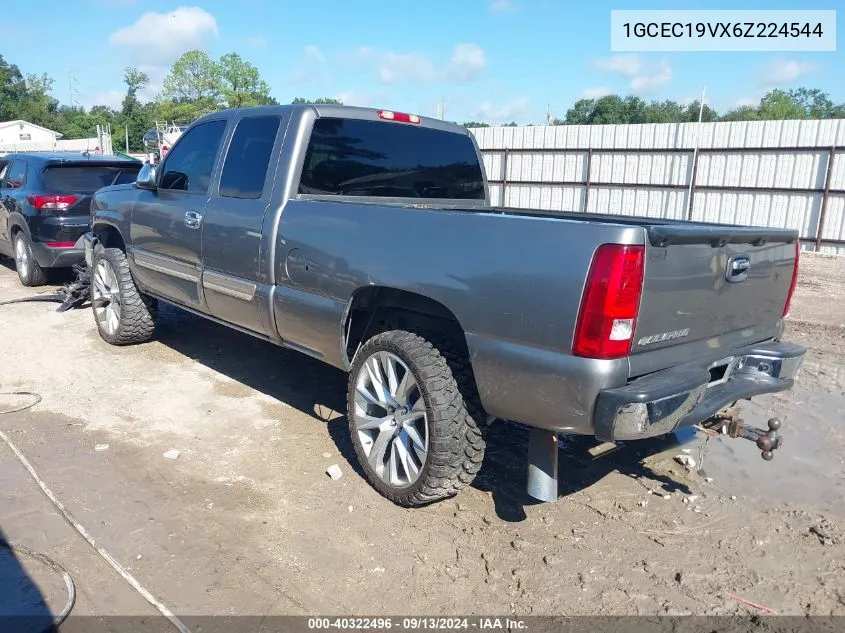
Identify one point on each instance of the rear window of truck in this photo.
(351, 157)
(86, 179)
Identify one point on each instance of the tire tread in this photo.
(138, 312)
(456, 445)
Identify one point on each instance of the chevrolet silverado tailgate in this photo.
(711, 284)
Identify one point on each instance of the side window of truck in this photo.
(189, 164)
(352, 157)
(248, 158)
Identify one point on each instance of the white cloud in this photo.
(467, 62)
(502, 6)
(487, 111)
(156, 75)
(311, 68)
(642, 78)
(160, 38)
(391, 66)
(650, 81)
(314, 53)
(257, 41)
(784, 72)
(626, 65)
(595, 93)
(363, 98)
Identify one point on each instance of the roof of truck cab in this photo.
(334, 111)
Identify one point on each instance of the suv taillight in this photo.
(52, 203)
(794, 279)
(611, 302)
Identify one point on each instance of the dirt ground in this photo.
(246, 521)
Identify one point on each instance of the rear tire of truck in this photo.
(409, 422)
(124, 316)
(29, 272)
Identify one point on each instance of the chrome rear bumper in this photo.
(689, 394)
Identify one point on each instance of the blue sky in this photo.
(494, 60)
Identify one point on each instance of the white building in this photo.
(21, 133)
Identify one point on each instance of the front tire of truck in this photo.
(124, 315)
(408, 420)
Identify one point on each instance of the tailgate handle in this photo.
(737, 268)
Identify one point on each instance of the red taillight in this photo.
(60, 244)
(52, 203)
(794, 279)
(402, 117)
(611, 302)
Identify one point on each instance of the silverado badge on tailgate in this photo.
(665, 336)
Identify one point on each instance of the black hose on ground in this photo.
(20, 550)
(48, 298)
(71, 295)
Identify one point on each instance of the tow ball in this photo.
(767, 441)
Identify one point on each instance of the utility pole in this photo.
(73, 88)
(441, 108)
(549, 114)
(695, 154)
(126, 131)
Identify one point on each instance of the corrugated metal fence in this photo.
(768, 173)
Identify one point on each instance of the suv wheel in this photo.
(408, 420)
(29, 272)
(123, 315)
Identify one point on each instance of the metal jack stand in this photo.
(542, 464)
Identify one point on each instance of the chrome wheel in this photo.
(390, 419)
(105, 297)
(22, 257)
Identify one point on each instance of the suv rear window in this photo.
(350, 157)
(86, 179)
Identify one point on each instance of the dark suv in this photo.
(45, 206)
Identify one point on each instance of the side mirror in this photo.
(146, 178)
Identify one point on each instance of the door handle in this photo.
(193, 219)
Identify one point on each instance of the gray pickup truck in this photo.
(365, 238)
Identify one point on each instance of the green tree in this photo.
(472, 124)
(609, 109)
(194, 79)
(690, 113)
(815, 103)
(37, 105)
(743, 113)
(240, 83)
(578, 114)
(12, 90)
(779, 105)
(663, 112)
(135, 80)
(318, 101)
(135, 118)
